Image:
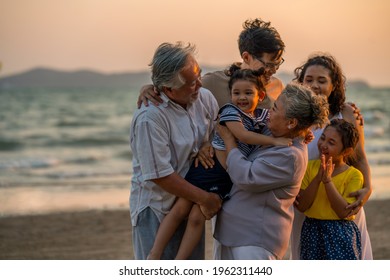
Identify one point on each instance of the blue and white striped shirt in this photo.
(231, 113)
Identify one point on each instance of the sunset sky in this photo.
(121, 35)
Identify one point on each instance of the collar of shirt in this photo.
(167, 101)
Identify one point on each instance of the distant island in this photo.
(50, 78)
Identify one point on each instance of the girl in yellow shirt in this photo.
(327, 233)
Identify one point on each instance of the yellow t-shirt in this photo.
(346, 182)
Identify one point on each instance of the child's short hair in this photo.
(254, 76)
(349, 133)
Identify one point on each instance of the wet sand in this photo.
(106, 234)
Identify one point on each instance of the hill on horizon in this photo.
(50, 78)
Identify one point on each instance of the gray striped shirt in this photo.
(164, 139)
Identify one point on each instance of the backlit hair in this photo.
(348, 132)
(167, 63)
(259, 37)
(304, 105)
(253, 76)
(337, 97)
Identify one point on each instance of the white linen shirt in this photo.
(164, 139)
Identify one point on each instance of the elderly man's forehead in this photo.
(192, 67)
(193, 64)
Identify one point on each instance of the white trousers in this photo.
(242, 253)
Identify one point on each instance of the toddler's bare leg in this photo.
(192, 234)
(168, 226)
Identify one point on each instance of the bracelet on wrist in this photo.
(327, 182)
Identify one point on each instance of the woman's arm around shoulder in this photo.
(360, 161)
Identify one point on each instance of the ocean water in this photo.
(60, 148)
(69, 149)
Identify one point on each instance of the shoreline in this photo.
(76, 197)
(106, 235)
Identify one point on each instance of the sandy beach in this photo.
(106, 234)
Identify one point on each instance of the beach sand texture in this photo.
(106, 234)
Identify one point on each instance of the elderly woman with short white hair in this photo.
(256, 222)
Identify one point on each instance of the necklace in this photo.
(340, 169)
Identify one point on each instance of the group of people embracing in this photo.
(271, 165)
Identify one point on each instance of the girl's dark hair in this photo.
(337, 97)
(348, 132)
(253, 76)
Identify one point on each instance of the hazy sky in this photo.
(121, 35)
